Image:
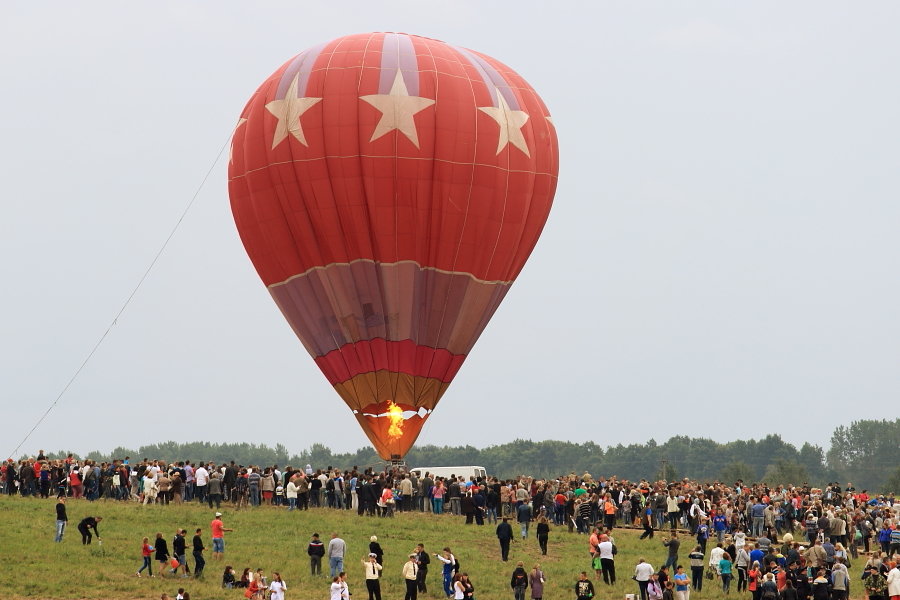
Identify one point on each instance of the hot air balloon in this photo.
(389, 188)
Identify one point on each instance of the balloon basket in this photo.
(398, 463)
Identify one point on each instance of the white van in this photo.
(466, 472)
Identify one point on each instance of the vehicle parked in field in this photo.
(464, 471)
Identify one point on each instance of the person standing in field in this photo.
(177, 489)
(523, 516)
(61, 518)
(372, 572)
(336, 549)
(697, 557)
(375, 548)
(218, 536)
(459, 590)
(422, 562)
(339, 588)
(584, 589)
(643, 572)
(449, 562)
(672, 545)
(315, 550)
(146, 551)
(411, 576)
(682, 584)
(214, 490)
(468, 586)
(607, 559)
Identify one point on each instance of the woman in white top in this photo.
(459, 590)
(339, 589)
(740, 539)
(715, 557)
(290, 492)
(151, 490)
(277, 587)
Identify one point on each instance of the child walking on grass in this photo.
(146, 553)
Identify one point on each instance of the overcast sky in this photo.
(724, 243)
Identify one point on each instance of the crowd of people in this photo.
(733, 530)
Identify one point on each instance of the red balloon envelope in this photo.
(388, 189)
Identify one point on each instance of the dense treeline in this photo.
(865, 452)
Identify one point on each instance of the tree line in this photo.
(864, 452)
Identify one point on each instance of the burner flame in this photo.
(395, 414)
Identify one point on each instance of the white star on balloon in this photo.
(240, 122)
(510, 122)
(288, 111)
(397, 110)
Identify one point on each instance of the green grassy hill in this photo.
(276, 540)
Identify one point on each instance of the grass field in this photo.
(274, 539)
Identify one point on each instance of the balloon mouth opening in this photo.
(396, 416)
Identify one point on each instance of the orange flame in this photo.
(395, 414)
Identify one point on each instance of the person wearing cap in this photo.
(874, 583)
(410, 575)
(218, 536)
(372, 573)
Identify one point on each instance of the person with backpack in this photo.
(519, 581)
